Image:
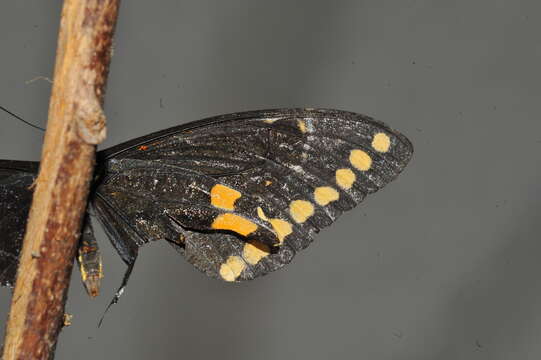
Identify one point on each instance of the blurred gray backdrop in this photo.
(441, 264)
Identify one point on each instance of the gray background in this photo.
(441, 264)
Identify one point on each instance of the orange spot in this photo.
(223, 197)
(143, 148)
(86, 249)
(234, 223)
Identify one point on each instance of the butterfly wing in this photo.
(16, 177)
(240, 194)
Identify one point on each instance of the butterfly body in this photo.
(240, 194)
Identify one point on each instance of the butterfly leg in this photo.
(120, 290)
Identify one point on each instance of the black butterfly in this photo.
(238, 195)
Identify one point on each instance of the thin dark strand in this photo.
(21, 119)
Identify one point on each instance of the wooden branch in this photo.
(76, 124)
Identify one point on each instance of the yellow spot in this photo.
(232, 268)
(84, 275)
(270, 121)
(261, 214)
(181, 239)
(301, 210)
(255, 251)
(223, 197)
(282, 228)
(345, 178)
(268, 182)
(234, 223)
(381, 142)
(325, 194)
(360, 160)
(302, 125)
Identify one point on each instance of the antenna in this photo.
(21, 119)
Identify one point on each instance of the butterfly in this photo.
(238, 195)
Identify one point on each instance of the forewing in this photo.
(240, 194)
(16, 177)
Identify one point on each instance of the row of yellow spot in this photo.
(300, 210)
(361, 161)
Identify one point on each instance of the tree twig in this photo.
(76, 124)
